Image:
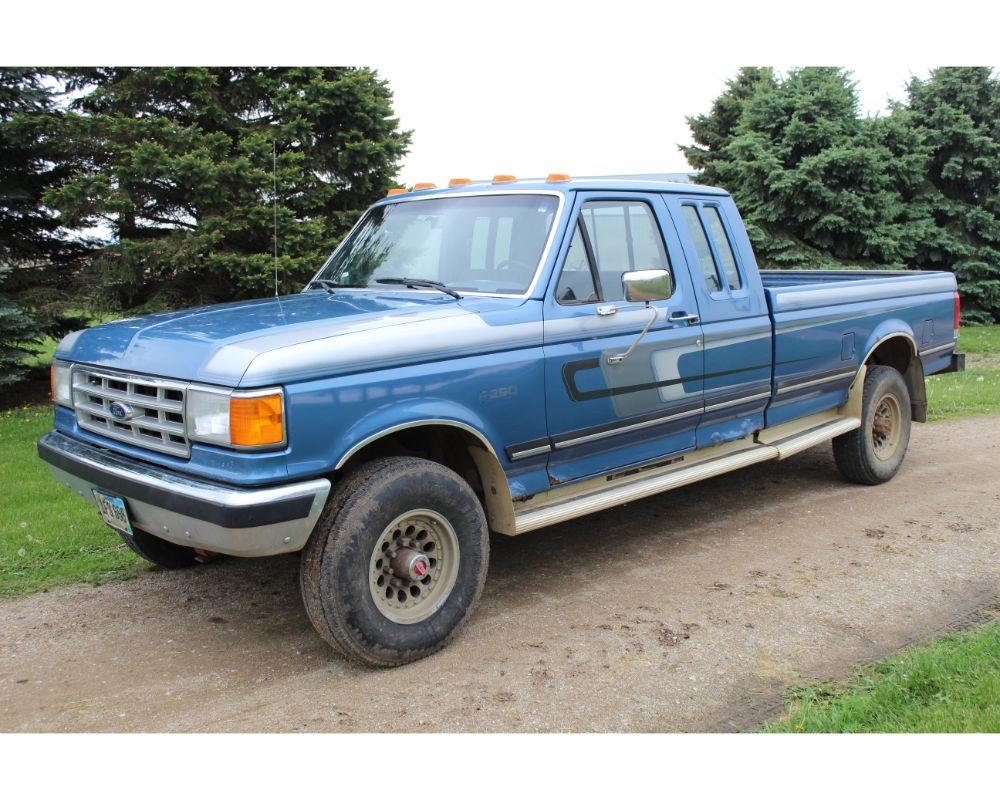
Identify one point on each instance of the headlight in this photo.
(62, 389)
(236, 419)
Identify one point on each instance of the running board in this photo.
(791, 445)
(636, 487)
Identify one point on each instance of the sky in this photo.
(508, 116)
(528, 87)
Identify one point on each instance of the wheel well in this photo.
(457, 449)
(898, 352)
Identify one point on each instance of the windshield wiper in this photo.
(421, 283)
(329, 285)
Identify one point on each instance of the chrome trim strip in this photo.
(420, 423)
(561, 445)
(828, 379)
(737, 402)
(451, 196)
(939, 348)
(534, 451)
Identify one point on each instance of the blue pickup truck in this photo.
(488, 357)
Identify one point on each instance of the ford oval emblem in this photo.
(120, 410)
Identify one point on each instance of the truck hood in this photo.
(281, 339)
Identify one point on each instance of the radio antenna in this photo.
(274, 197)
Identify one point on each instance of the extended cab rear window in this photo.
(717, 260)
(725, 250)
(702, 248)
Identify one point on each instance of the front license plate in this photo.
(113, 511)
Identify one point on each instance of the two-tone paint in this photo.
(528, 378)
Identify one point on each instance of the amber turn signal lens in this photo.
(255, 421)
(396, 190)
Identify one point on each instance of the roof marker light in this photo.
(421, 186)
(504, 179)
(557, 177)
(458, 181)
(396, 190)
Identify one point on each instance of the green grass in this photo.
(48, 536)
(975, 391)
(951, 685)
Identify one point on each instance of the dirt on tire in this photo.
(692, 610)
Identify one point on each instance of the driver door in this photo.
(604, 414)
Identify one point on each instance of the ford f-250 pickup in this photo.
(488, 357)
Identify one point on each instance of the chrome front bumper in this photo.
(188, 511)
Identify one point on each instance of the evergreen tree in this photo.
(712, 132)
(815, 181)
(18, 332)
(178, 164)
(38, 257)
(957, 111)
(32, 161)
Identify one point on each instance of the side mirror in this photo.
(645, 285)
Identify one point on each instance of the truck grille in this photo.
(145, 412)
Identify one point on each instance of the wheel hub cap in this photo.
(410, 564)
(886, 427)
(413, 566)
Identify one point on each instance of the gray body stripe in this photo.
(791, 387)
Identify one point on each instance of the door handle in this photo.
(606, 311)
(680, 316)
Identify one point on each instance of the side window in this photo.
(623, 236)
(576, 282)
(702, 248)
(647, 244)
(722, 246)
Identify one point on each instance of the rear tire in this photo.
(873, 453)
(159, 551)
(397, 561)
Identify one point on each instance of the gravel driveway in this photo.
(688, 611)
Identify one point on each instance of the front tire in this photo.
(873, 453)
(397, 561)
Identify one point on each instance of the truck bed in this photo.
(825, 322)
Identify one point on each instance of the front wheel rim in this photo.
(887, 427)
(413, 566)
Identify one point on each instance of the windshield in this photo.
(488, 243)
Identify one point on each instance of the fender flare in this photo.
(497, 499)
(888, 330)
(913, 375)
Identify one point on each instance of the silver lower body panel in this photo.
(236, 521)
